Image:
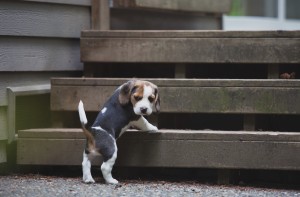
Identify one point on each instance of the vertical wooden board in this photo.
(39, 54)
(3, 156)
(19, 18)
(100, 15)
(3, 123)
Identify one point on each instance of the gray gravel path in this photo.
(38, 185)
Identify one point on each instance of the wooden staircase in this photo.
(206, 120)
(246, 97)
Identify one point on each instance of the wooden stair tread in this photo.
(170, 82)
(191, 46)
(168, 148)
(258, 96)
(189, 34)
(169, 134)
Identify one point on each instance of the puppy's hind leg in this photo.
(86, 169)
(107, 166)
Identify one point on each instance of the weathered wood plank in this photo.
(210, 154)
(214, 6)
(51, 152)
(39, 54)
(3, 156)
(204, 96)
(19, 18)
(210, 149)
(15, 79)
(100, 15)
(166, 82)
(73, 2)
(3, 124)
(168, 134)
(189, 34)
(152, 19)
(191, 50)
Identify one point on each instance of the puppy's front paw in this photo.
(152, 128)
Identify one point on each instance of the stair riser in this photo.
(248, 97)
(168, 153)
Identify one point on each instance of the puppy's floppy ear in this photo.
(125, 92)
(157, 100)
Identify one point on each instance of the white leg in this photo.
(86, 169)
(107, 166)
(144, 125)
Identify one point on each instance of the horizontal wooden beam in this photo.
(39, 54)
(73, 2)
(41, 19)
(187, 95)
(214, 6)
(169, 148)
(191, 47)
(188, 34)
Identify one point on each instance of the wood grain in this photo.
(3, 155)
(39, 54)
(191, 50)
(214, 6)
(209, 149)
(73, 2)
(3, 124)
(204, 96)
(15, 79)
(19, 18)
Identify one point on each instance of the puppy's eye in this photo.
(137, 98)
(151, 98)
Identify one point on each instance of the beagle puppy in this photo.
(125, 108)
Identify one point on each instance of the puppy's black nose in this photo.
(143, 110)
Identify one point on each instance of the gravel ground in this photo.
(41, 185)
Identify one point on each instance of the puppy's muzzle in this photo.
(143, 110)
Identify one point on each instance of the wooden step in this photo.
(187, 95)
(191, 46)
(168, 148)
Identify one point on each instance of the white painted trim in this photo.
(262, 23)
(12, 93)
(258, 23)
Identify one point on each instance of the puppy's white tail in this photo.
(82, 115)
(83, 120)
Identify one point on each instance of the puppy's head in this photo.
(143, 96)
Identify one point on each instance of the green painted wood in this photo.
(169, 148)
(3, 155)
(188, 95)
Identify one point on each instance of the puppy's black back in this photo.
(116, 116)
